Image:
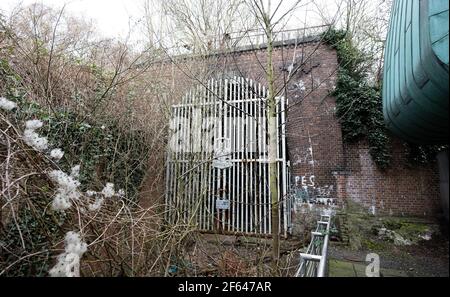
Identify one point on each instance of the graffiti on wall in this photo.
(306, 190)
(303, 158)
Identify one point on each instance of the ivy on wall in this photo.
(422, 154)
(358, 104)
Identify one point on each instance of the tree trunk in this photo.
(272, 131)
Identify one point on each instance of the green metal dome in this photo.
(416, 79)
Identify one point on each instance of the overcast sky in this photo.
(114, 17)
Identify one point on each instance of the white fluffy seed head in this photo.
(67, 190)
(32, 138)
(75, 171)
(108, 190)
(74, 244)
(60, 202)
(7, 104)
(56, 154)
(68, 264)
(33, 124)
(96, 205)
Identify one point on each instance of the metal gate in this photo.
(217, 160)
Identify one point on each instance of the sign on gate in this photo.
(222, 153)
(222, 204)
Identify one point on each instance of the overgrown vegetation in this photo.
(106, 149)
(359, 105)
(363, 231)
(422, 154)
(89, 105)
(98, 103)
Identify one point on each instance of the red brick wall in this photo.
(321, 163)
(400, 190)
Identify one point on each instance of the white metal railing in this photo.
(249, 39)
(258, 38)
(314, 261)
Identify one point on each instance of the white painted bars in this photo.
(232, 108)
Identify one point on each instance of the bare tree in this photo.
(195, 26)
(269, 18)
(366, 24)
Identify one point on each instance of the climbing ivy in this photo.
(358, 104)
(422, 154)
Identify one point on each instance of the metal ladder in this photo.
(313, 262)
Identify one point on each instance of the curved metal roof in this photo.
(416, 79)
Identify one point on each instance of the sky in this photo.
(114, 17)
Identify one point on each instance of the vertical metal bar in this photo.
(266, 165)
(179, 163)
(216, 135)
(250, 156)
(258, 156)
(198, 159)
(284, 166)
(237, 150)
(209, 154)
(247, 215)
(221, 133)
(280, 197)
(224, 136)
(193, 161)
(228, 94)
(202, 159)
(241, 156)
(206, 156)
(265, 171)
(252, 121)
(234, 157)
(183, 164)
(188, 159)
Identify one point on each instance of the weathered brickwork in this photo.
(324, 169)
(400, 190)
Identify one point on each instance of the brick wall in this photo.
(324, 168)
(400, 190)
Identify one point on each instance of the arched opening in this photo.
(217, 163)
